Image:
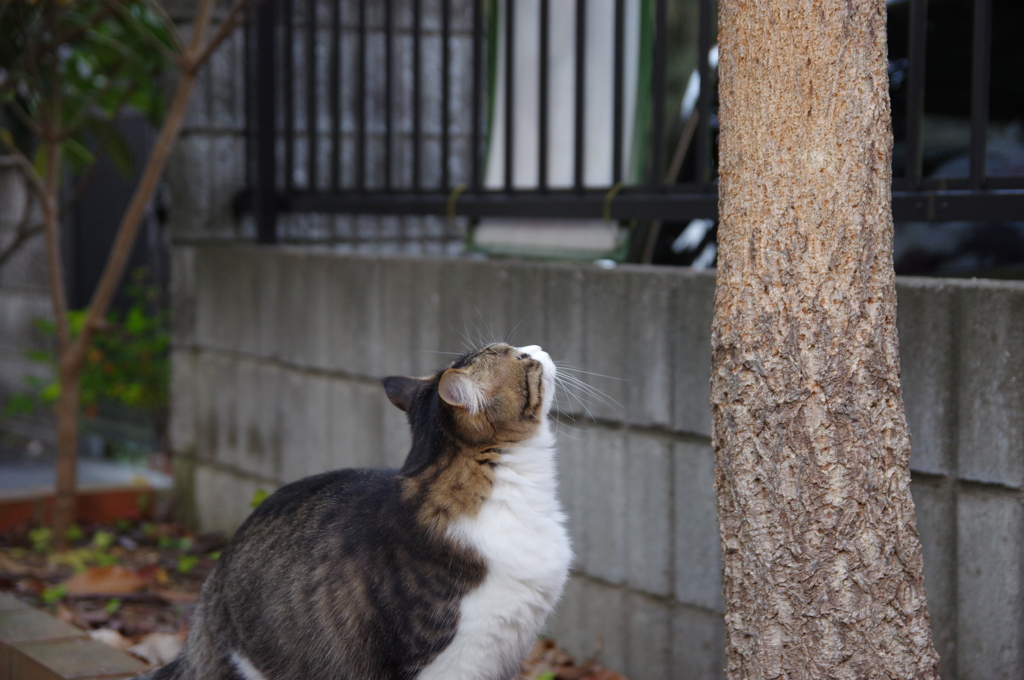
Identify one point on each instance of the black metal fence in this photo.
(395, 107)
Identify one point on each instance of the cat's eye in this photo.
(523, 355)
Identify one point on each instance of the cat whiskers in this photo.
(575, 389)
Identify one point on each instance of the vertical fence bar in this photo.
(417, 140)
(265, 197)
(360, 102)
(542, 96)
(289, 96)
(510, 54)
(446, 34)
(703, 147)
(658, 94)
(916, 46)
(388, 92)
(981, 53)
(617, 100)
(335, 94)
(476, 146)
(311, 103)
(581, 74)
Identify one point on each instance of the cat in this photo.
(445, 569)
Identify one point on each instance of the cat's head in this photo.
(493, 396)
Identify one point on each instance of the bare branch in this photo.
(26, 167)
(200, 25)
(25, 118)
(21, 237)
(230, 23)
(129, 226)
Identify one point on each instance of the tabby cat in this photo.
(442, 570)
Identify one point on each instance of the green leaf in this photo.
(40, 539)
(103, 539)
(54, 594)
(119, 151)
(74, 533)
(112, 606)
(50, 393)
(78, 156)
(258, 497)
(20, 405)
(186, 563)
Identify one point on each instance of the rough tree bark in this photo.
(822, 563)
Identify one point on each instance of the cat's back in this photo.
(333, 560)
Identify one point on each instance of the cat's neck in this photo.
(461, 478)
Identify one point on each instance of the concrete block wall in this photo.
(278, 352)
(24, 297)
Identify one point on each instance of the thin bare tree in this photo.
(35, 88)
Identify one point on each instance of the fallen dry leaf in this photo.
(113, 580)
(157, 649)
(176, 596)
(109, 636)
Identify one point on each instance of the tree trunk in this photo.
(822, 563)
(66, 411)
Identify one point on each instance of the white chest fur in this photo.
(520, 532)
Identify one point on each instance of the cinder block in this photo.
(990, 446)
(473, 305)
(572, 461)
(219, 316)
(426, 274)
(608, 340)
(354, 319)
(698, 552)
(924, 319)
(698, 645)
(224, 375)
(217, 495)
(395, 434)
(182, 423)
(591, 620)
(306, 420)
(564, 329)
(183, 295)
(649, 514)
(526, 286)
(990, 630)
(262, 265)
(694, 312)
(296, 308)
(601, 483)
(649, 645)
(356, 425)
(399, 290)
(650, 322)
(258, 417)
(188, 176)
(935, 510)
(204, 393)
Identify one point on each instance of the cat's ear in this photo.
(460, 390)
(402, 390)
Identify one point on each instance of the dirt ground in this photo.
(133, 585)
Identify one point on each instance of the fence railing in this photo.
(534, 108)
